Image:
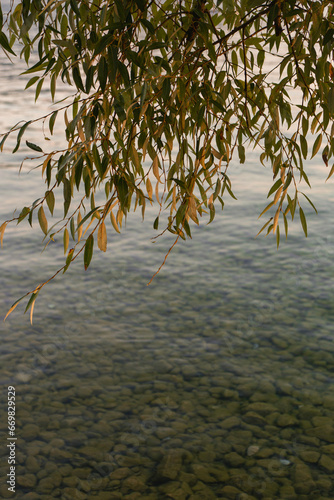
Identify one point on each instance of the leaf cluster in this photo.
(166, 96)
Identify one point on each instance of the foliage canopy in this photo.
(166, 94)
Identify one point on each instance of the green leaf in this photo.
(52, 121)
(143, 94)
(77, 78)
(3, 140)
(42, 220)
(241, 152)
(292, 206)
(274, 187)
(67, 190)
(72, 228)
(119, 108)
(156, 223)
(102, 73)
(31, 82)
(316, 145)
(20, 134)
(50, 200)
(88, 253)
(34, 147)
(330, 100)
(303, 145)
(310, 202)
(166, 89)
(303, 220)
(285, 225)
(39, 88)
(5, 44)
(68, 259)
(92, 212)
(97, 161)
(329, 36)
(24, 212)
(149, 26)
(277, 236)
(230, 192)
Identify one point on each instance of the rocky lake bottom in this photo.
(149, 417)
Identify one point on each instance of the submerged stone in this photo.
(230, 422)
(230, 492)
(286, 420)
(171, 465)
(203, 473)
(26, 481)
(327, 462)
(323, 432)
(309, 456)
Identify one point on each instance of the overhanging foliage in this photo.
(166, 95)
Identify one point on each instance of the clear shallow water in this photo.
(216, 381)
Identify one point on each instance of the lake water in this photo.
(216, 381)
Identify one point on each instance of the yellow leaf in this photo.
(42, 220)
(174, 199)
(276, 220)
(216, 153)
(149, 189)
(135, 158)
(2, 232)
(13, 307)
(119, 217)
(66, 118)
(267, 208)
(102, 237)
(157, 192)
(66, 239)
(45, 163)
(114, 223)
(155, 167)
(145, 147)
(81, 132)
(32, 311)
(278, 194)
(283, 175)
(329, 175)
(192, 210)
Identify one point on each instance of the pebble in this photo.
(323, 432)
(286, 420)
(327, 463)
(252, 450)
(203, 473)
(309, 456)
(231, 422)
(234, 459)
(32, 464)
(27, 480)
